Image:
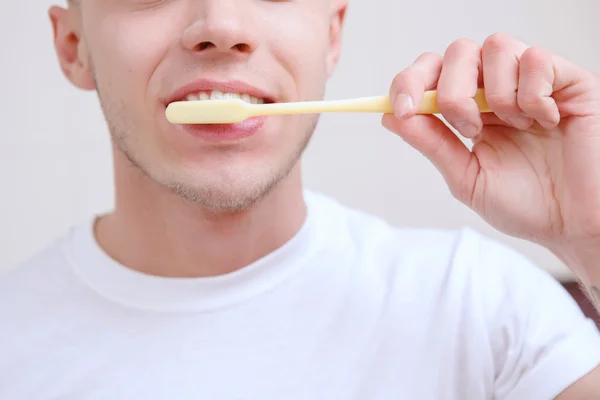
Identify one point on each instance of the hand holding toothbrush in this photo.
(534, 169)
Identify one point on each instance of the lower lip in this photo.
(226, 132)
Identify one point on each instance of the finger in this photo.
(430, 136)
(500, 56)
(566, 74)
(491, 119)
(536, 86)
(458, 85)
(409, 86)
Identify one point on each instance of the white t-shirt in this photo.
(350, 308)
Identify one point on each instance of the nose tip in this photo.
(229, 34)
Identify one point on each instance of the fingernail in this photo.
(403, 104)
(520, 122)
(467, 129)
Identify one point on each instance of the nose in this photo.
(222, 27)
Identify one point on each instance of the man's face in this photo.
(141, 54)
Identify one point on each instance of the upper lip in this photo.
(226, 87)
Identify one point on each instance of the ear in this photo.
(336, 25)
(71, 50)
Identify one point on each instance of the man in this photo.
(218, 277)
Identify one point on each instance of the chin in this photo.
(231, 189)
(221, 199)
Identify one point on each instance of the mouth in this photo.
(207, 90)
(210, 90)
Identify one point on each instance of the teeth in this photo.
(218, 95)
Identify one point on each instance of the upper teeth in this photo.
(218, 95)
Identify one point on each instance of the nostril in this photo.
(205, 45)
(242, 47)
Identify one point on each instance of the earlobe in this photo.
(335, 34)
(70, 49)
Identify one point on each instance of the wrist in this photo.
(584, 262)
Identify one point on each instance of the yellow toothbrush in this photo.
(232, 111)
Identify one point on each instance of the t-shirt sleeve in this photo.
(541, 341)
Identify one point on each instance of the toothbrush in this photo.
(232, 111)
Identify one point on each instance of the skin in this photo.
(188, 208)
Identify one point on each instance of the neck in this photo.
(154, 231)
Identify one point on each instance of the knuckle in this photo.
(429, 57)
(426, 63)
(461, 45)
(402, 80)
(534, 58)
(414, 75)
(497, 42)
(535, 53)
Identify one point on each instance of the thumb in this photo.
(430, 136)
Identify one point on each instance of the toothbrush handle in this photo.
(377, 104)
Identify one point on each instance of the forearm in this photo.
(593, 293)
(585, 264)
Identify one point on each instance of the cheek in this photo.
(128, 50)
(301, 48)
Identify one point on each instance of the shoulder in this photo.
(462, 268)
(38, 281)
(44, 264)
(484, 291)
(367, 232)
(436, 253)
(463, 251)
